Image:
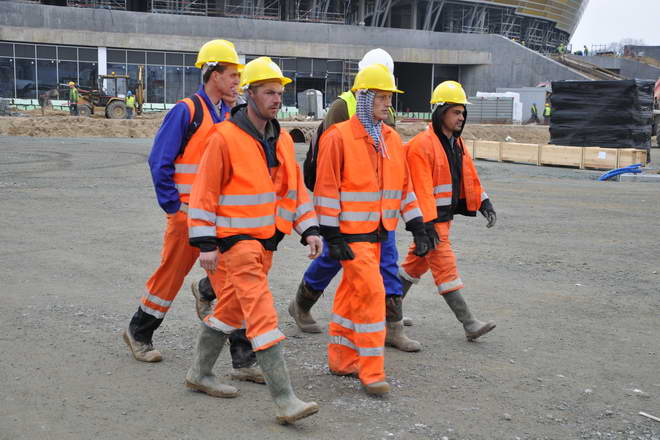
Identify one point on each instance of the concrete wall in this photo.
(628, 68)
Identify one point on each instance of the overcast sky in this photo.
(607, 21)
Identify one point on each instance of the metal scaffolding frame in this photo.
(256, 9)
(98, 4)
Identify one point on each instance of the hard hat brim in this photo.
(239, 67)
(355, 89)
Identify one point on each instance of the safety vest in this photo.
(363, 197)
(547, 110)
(426, 157)
(351, 103)
(534, 110)
(253, 201)
(130, 101)
(185, 165)
(73, 95)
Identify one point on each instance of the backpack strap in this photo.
(196, 119)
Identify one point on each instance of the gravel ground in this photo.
(571, 274)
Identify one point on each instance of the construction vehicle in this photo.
(110, 95)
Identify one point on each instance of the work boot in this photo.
(299, 308)
(406, 285)
(143, 352)
(395, 335)
(249, 374)
(473, 327)
(289, 407)
(203, 301)
(200, 376)
(377, 388)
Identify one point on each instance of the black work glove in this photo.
(339, 249)
(423, 243)
(432, 233)
(488, 211)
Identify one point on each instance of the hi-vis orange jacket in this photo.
(235, 193)
(185, 165)
(431, 175)
(356, 187)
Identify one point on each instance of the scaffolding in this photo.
(255, 9)
(320, 11)
(98, 4)
(180, 7)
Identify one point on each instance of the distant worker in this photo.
(249, 194)
(534, 118)
(362, 185)
(73, 99)
(446, 183)
(561, 48)
(320, 273)
(585, 51)
(130, 105)
(547, 112)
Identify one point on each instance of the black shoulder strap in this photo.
(197, 118)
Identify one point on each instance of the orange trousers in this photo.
(357, 325)
(440, 260)
(244, 299)
(177, 259)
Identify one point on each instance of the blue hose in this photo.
(635, 169)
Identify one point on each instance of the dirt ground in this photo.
(570, 273)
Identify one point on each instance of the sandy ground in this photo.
(570, 273)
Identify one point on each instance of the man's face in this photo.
(227, 81)
(382, 103)
(230, 99)
(268, 98)
(453, 118)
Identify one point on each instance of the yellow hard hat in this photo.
(376, 77)
(262, 69)
(71, 83)
(449, 92)
(217, 51)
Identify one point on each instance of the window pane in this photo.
(304, 65)
(289, 98)
(192, 80)
(174, 83)
(24, 50)
(190, 59)
(135, 57)
(332, 87)
(87, 76)
(46, 75)
(119, 69)
(155, 84)
(85, 54)
(133, 80)
(288, 64)
(48, 52)
(25, 79)
(67, 53)
(6, 50)
(174, 59)
(116, 56)
(335, 66)
(320, 67)
(6, 78)
(155, 58)
(68, 71)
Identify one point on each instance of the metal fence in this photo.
(490, 110)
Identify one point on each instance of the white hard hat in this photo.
(377, 56)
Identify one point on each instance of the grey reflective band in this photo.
(185, 168)
(154, 299)
(443, 201)
(183, 208)
(153, 312)
(409, 215)
(201, 231)
(390, 213)
(286, 214)
(292, 194)
(341, 340)
(327, 220)
(354, 196)
(304, 209)
(410, 197)
(370, 328)
(344, 322)
(244, 222)
(183, 188)
(266, 338)
(371, 352)
(360, 216)
(443, 287)
(200, 214)
(442, 189)
(246, 200)
(326, 202)
(306, 224)
(392, 194)
(216, 324)
(484, 196)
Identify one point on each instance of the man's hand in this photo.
(488, 211)
(339, 249)
(423, 243)
(315, 246)
(209, 260)
(429, 227)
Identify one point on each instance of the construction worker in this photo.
(547, 112)
(320, 273)
(362, 183)
(73, 99)
(130, 104)
(446, 183)
(534, 118)
(249, 193)
(585, 51)
(173, 160)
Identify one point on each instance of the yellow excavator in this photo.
(110, 96)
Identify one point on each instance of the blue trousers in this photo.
(323, 269)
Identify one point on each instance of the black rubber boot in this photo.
(300, 306)
(472, 326)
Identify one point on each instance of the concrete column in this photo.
(102, 60)
(413, 15)
(361, 11)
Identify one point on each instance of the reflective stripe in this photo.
(154, 299)
(183, 188)
(304, 209)
(484, 196)
(355, 196)
(305, 224)
(392, 194)
(200, 214)
(403, 274)
(450, 285)
(271, 336)
(377, 351)
(244, 222)
(411, 197)
(443, 201)
(201, 231)
(409, 215)
(344, 322)
(327, 220)
(341, 340)
(247, 199)
(155, 313)
(292, 194)
(326, 202)
(183, 208)
(442, 189)
(286, 214)
(390, 213)
(360, 216)
(359, 328)
(185, 168)
(216, 324)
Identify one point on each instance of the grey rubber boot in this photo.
(395, 335)
(406, 287)
(299, 308)
(473, 327)
(289, 407)
(200, 376)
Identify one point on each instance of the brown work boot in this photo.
(143, 352)
(377, 388)
(395, 335)
(472, 326)
(249, 374)
(299, 308)
(203, 307)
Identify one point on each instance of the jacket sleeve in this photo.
(328, 180)
(204, 196)
(409, 206)
(163, 154)
(305, 221)
(420, 166)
